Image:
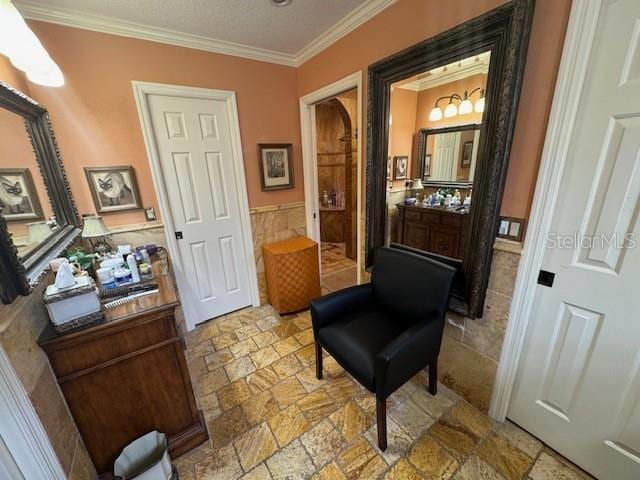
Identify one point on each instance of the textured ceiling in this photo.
(256, 23)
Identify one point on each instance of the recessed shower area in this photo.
(336, 144)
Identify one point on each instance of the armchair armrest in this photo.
(407, 354)
(327, 309)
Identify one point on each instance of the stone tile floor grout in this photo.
(279, 422)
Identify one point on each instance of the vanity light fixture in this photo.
(465, 107)
(26, 53)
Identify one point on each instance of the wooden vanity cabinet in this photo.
(435, 230)
(128, 376)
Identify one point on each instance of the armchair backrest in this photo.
(411, 284)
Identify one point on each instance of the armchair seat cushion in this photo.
(356, 338)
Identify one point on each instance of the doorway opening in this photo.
(336, 153)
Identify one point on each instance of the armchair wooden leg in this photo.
(381, 412)
(433, 377)
(318, 361)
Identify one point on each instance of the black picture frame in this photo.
(400, 167)
(19, 275)
(287, 153)
(32, 195)
(426, 167)
(467, 152)
(504, 31)
(127, 175)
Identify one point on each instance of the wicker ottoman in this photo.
(293, 274)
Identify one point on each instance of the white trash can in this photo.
(146, 458)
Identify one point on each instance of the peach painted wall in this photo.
(410, 21)
(96, 121)
(402, 129)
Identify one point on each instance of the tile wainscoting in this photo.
(20, 326)
(471, 347)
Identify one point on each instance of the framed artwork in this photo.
(18, 197)
(426, 167)
(467, 150)
(113, 188)
(276, 166)
(400, 164)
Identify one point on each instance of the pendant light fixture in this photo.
(464, 108)
(26, 53)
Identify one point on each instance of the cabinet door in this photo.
(416, 235)
(444, 241)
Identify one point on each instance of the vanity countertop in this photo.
(164, 299)
(453, 211)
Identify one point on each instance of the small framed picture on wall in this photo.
(113, 188)
(426, 167)
(467, 151)
(276, 166)
(18, 196)
(400, 164)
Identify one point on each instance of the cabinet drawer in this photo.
(111, 342)
(452, 220)
(409, 215)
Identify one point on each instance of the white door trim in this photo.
(141, 90)
(571, 75)
(22, 430)
(310, 160)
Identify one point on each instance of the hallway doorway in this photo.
(336, 152)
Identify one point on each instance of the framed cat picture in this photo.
(113, 188)
(18, 196)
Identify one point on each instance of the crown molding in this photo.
(444, 78)
(353, 20)
(125, 28)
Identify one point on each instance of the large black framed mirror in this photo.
(459, 169)
(500, 39)
(38, 218)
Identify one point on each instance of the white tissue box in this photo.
(75, 306)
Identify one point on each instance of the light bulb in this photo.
(451, 110)
(480, 105)
(26, 53)
(465, 107)
(435, 114)
(49, 78)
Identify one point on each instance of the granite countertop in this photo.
(454, 210)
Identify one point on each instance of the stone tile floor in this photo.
(338, 271)
(270, 418)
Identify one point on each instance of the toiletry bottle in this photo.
(325, 199)
(133, 266)
(145, 256)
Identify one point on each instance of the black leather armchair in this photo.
(386, 331)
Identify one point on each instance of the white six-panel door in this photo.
(578, 386)
(197, 166)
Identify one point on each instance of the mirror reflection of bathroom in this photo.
(23, 198)
(336, 143)
(435, 121)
